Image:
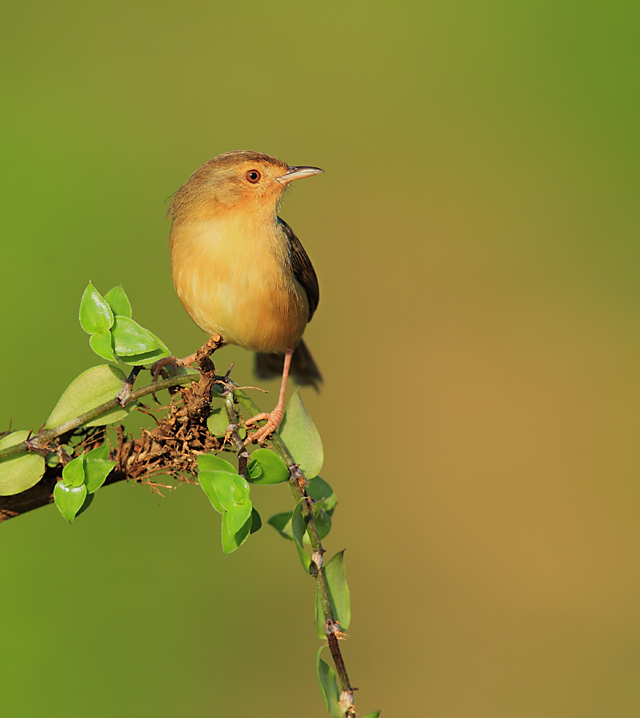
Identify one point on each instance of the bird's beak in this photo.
(294, 173)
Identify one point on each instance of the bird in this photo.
(240, 271)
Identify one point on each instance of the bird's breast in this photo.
(233, 275)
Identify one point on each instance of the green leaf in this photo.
(375, 714)
(22, 471)
(256, 521)
(92, 388)
(96, 472)
(101, 345)
(205, 479)
(298, 529)
(130, 339)
(238, 515)
(69, 499)
(329, 687)
(218, 421)
(119, 302)
(211, 462)
(335, 575)
(229, 488)
(73, 473)
(145, 359)
(100, 452)
(299, 433)
(95, 312)
(322, 520)
(231, 541)
(320, 491)
(282, 524)
(266, 468)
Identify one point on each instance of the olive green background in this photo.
(476, 239)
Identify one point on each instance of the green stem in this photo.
(297, 484)
(39, 440)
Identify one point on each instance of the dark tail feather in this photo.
(303, 368)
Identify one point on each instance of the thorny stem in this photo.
(298, 483)
(38, 441)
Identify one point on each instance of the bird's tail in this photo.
(304, 370)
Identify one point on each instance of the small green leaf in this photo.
(69, 499)
(322, 520)
(96, 472)
(256, 521)
(266, 468)
(299, 433)
(375, 714)
(205, 479)
(231, 541)
(211, 462)
(119, 302)
(298, 529)
(73, 473)
(130, 339)
(20, 472)
(101, 345)
(329, 687)
(282, 524)
(335, 575)
(320, 491)
(218, 421)
(229, 488)
(95, 312)
(238, 515)
(92, 388)
(100, 452)
(145, 360)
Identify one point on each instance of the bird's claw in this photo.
(262, 434)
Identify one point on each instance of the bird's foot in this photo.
(263, 433)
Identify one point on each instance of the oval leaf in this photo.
(211, 462)
(20, 472)
(100, 452)
(95, 312)
(69, 499)
(256, 521)
(92, 388)
(299, 433)
(229, 488)
(130, 339)
(282, 524)
(96, 472)
(205, 479)
(119, 302)
(218, 421)
(101, 345)
(73, 473)
(320, 491)
(266, 468)
(231, 541)
(329, 687)
(238, 515)
(335, 575)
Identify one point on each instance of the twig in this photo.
(38, 441)
(298, 483)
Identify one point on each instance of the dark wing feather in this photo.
(302, 268)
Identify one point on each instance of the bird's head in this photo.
(239, 179)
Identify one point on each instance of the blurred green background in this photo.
(476, 239)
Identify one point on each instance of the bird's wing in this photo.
(303, 270)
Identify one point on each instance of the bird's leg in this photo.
(275, 417)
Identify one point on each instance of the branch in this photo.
(39, 441)
(298, 484)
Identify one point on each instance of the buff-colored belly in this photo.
(249, 297)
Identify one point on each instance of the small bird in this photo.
(240, 271)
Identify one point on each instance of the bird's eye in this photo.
(253, 176)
